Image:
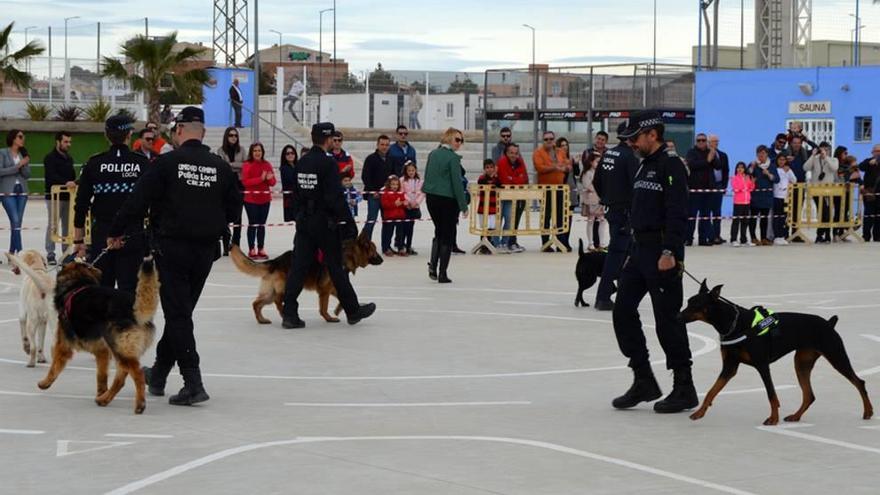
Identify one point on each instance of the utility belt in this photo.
(648, 237)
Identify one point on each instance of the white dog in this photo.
(35, 306)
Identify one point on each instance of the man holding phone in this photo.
(821, 168)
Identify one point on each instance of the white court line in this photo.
(816, 438)
(524, 303)
(9, 320)
(248, 296)
(408, 404)
(22, 432)
(136, 435)
(56, 396)
(750, 390)
(854, 306)
(189, 466)
(875, 338)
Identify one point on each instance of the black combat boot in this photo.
(192, 392)
(156, 378)
(432, 264)
(683, 395)
(292, 322)
(364, 311)
(445, 254)
(643, 389)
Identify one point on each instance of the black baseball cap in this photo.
(640, 122)
(122, 123)
(190, 114)
(323, 129)
(621, 129)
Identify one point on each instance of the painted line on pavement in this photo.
(408, 404)
(136, 435)
(786, 430)
(22, 432)
(875, 338)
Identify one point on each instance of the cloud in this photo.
(390, 44)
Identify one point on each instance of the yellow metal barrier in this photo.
(819, 204)
(61, 218)
(551, 199)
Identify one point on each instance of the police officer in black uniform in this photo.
(659, 217)
(613, 183)
(323, 220)
(105, 182)
(192, 197)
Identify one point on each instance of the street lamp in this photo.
(533, 41)
(66, 61)
(279, 43)
(27, 63)
(321, 56)
(856, 39)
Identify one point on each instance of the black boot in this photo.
(683, 395)
(445, 253)
(643, 389)
(192, 392)
(290, 322)
(432, 264)
(155, 378)
(364, 311)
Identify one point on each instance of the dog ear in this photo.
(716, 291)
(703, 287)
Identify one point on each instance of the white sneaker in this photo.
(750, 244)
(735, 244)
(779, 241)
(516, 248)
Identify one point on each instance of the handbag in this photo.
(413, 213)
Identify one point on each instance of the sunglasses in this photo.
(148, 139)
(290, 153)
(505, 136)
(233, 135)
(548, 139)
(403, 134)
(701, 140)
(459, 140)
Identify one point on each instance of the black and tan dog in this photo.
(758, 337)
(588, 269)
(106, 322)
(273, 273)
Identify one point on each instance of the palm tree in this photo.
(9, 62)
(153, 64)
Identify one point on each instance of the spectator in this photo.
(512, 171)
(780, 199)
(842, 177)
(797, 158)
(570, 180)
(233, 153)
(487, 207)
(779, 146)
(287, 170)
(870, 189)
(343, 159)
(377, 168)
(590, 207)
(58, 166)
(166, 115)
(721, 177)
(160, 146)
(147, 137)
(258, 178)
(352, 196)
(401, 152)
(15, 171)
(236, 99)
(854, 177)
(415, 106)
(412, 188)
(600, 146)
(796, 130)
(821, 168)
(551, 166)
(702, 161)
(765, 174)
(393, 216)
(498, 150)
(445, 199)
(296, 90)
(303, 151)
(742, 185)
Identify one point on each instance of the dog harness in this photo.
(68, 301)
(763, 321)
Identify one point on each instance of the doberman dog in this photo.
(588, 269)
(757, 337)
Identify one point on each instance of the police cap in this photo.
(640, 122)
(119, 123)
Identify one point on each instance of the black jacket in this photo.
(317, 192)
(725, 170)
(191, 193)
(702, 174)
(234, 95)
(288, 180)
(872, 175)
(613, 180)
(660, 199)
(59, 171)
(105, 182)
(376, 171)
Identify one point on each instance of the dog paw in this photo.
(868, 414)
(264, 322)
(31, 364)
(102, 400)
(771, 421)
(332, 320)
(698, 414)
(792, 418)
(41, 359)
(44, 384)
(139, 407)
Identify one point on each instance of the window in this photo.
(556, 88)
(863, 129)
(817, 130)
(450, 110)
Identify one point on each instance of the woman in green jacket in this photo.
(445, 198)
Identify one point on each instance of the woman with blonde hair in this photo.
(445, 198)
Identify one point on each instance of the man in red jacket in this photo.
(512, 171)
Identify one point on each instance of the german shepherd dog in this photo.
(273, 273)
(106, 322)
(757, 337)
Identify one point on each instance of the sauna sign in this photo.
(800, 107)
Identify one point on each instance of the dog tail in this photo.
(833, 321)
(246, 265)
(40, 282)
(146, 296)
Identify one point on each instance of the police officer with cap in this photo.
(192, 197)
(613, 183)
(658, 217)
(323, 220)
(105, 182)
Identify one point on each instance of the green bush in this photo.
(37, 112)
(98, 111)
(68, 113)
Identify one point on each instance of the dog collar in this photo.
(68, 301)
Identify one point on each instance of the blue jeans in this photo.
(506, 214)
(700, 206)
(374, 206)
(14, 206)
(256, 231)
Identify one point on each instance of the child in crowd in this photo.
(780, 199)
(352, 196)
(393, 212)
(742, 185)
(590, 207)
(412, 188)
(488, 206)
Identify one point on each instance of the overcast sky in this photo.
(452, 35)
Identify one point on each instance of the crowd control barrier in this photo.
(61, 216)
(824, 206)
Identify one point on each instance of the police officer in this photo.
(613, 183)
(106, 181)
(323, 219)
(658, 218)
(192, 196)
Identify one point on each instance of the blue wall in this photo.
(748, 108)
(218, 111)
